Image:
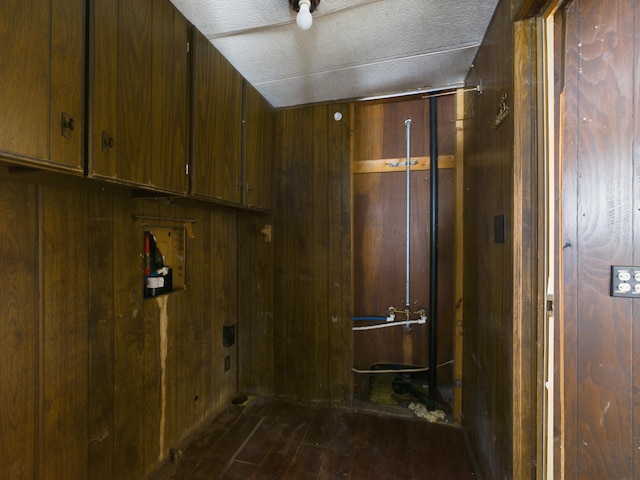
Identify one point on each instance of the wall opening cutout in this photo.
(164, 260)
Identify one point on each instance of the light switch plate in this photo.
(625, 281)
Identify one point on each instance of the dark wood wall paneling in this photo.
(313, 338)
(121, 379)
(380, 232)
(255, 304)
(489, 289)
(600, 180)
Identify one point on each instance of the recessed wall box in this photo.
(163, 260)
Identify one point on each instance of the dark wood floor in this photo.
(276, 439)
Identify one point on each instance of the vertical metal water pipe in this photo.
(407, 302)
(432, 400)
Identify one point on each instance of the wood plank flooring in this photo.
(275, 439)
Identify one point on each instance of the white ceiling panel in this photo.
(354, 49)
(427, 73)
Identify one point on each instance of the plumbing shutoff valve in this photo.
(391, 314)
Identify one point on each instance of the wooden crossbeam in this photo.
(388, 164)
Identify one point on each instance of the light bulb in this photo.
(304, 18)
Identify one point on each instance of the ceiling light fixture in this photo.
(304, 8)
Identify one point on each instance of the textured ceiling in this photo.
(354, 49)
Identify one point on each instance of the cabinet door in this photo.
(170, 99)
(67, 105)
(259, 121)
(217, 125)
(41, 82)
(121, 139)
(140, 94)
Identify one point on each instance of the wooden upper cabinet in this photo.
(42, 82)
(217, 125)
(259, 130)
(170, 130)
(139, 94)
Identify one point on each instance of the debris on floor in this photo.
(421, 412)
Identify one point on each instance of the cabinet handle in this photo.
(68, 125)
(107, 141)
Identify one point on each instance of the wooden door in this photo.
(597, 371)
(217, 125)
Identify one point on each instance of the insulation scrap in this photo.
(421, 411)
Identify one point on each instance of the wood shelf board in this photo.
(388, 164)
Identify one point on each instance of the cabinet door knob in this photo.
(68, 125)
(107, 141)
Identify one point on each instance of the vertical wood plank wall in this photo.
(599, 336)
(97, 382)
(19, 327)
(488, 299)
(63, 347)
(255, 304)
(501, 295)
(312, 332)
